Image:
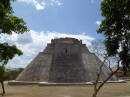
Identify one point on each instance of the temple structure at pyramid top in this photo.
(64, 60)
(66, 40)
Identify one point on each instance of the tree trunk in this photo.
(2, 84)
(95, 94)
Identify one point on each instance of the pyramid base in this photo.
(17, 83)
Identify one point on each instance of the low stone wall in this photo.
(17, 83)
(64, 84)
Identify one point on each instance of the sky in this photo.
(49, 19)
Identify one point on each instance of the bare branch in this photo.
(108, 77)
(97, 79)
(96, 87)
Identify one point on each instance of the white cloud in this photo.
(24, 38)
(98, 22)
(38, 5)
(57, 2)
(41, 4)
(31, 43)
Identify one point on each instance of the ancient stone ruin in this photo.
(64, 60)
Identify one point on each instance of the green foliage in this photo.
(8, 52)
(116, 28)
(8, 24)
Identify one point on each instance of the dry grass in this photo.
(109, 90)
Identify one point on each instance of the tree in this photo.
(116, 28)
(2, 71)
(8, 24)
(99, 49)
(97, 85)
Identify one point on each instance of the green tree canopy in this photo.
(8, 24)
(116, 28)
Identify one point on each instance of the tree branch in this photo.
(108, 77)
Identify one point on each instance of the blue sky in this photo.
(72, 16)
(49, 19)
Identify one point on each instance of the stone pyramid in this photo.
(64, 60)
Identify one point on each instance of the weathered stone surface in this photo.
(37, 70)
(67, 66)
(65, 60)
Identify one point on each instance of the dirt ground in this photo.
(109, 90)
